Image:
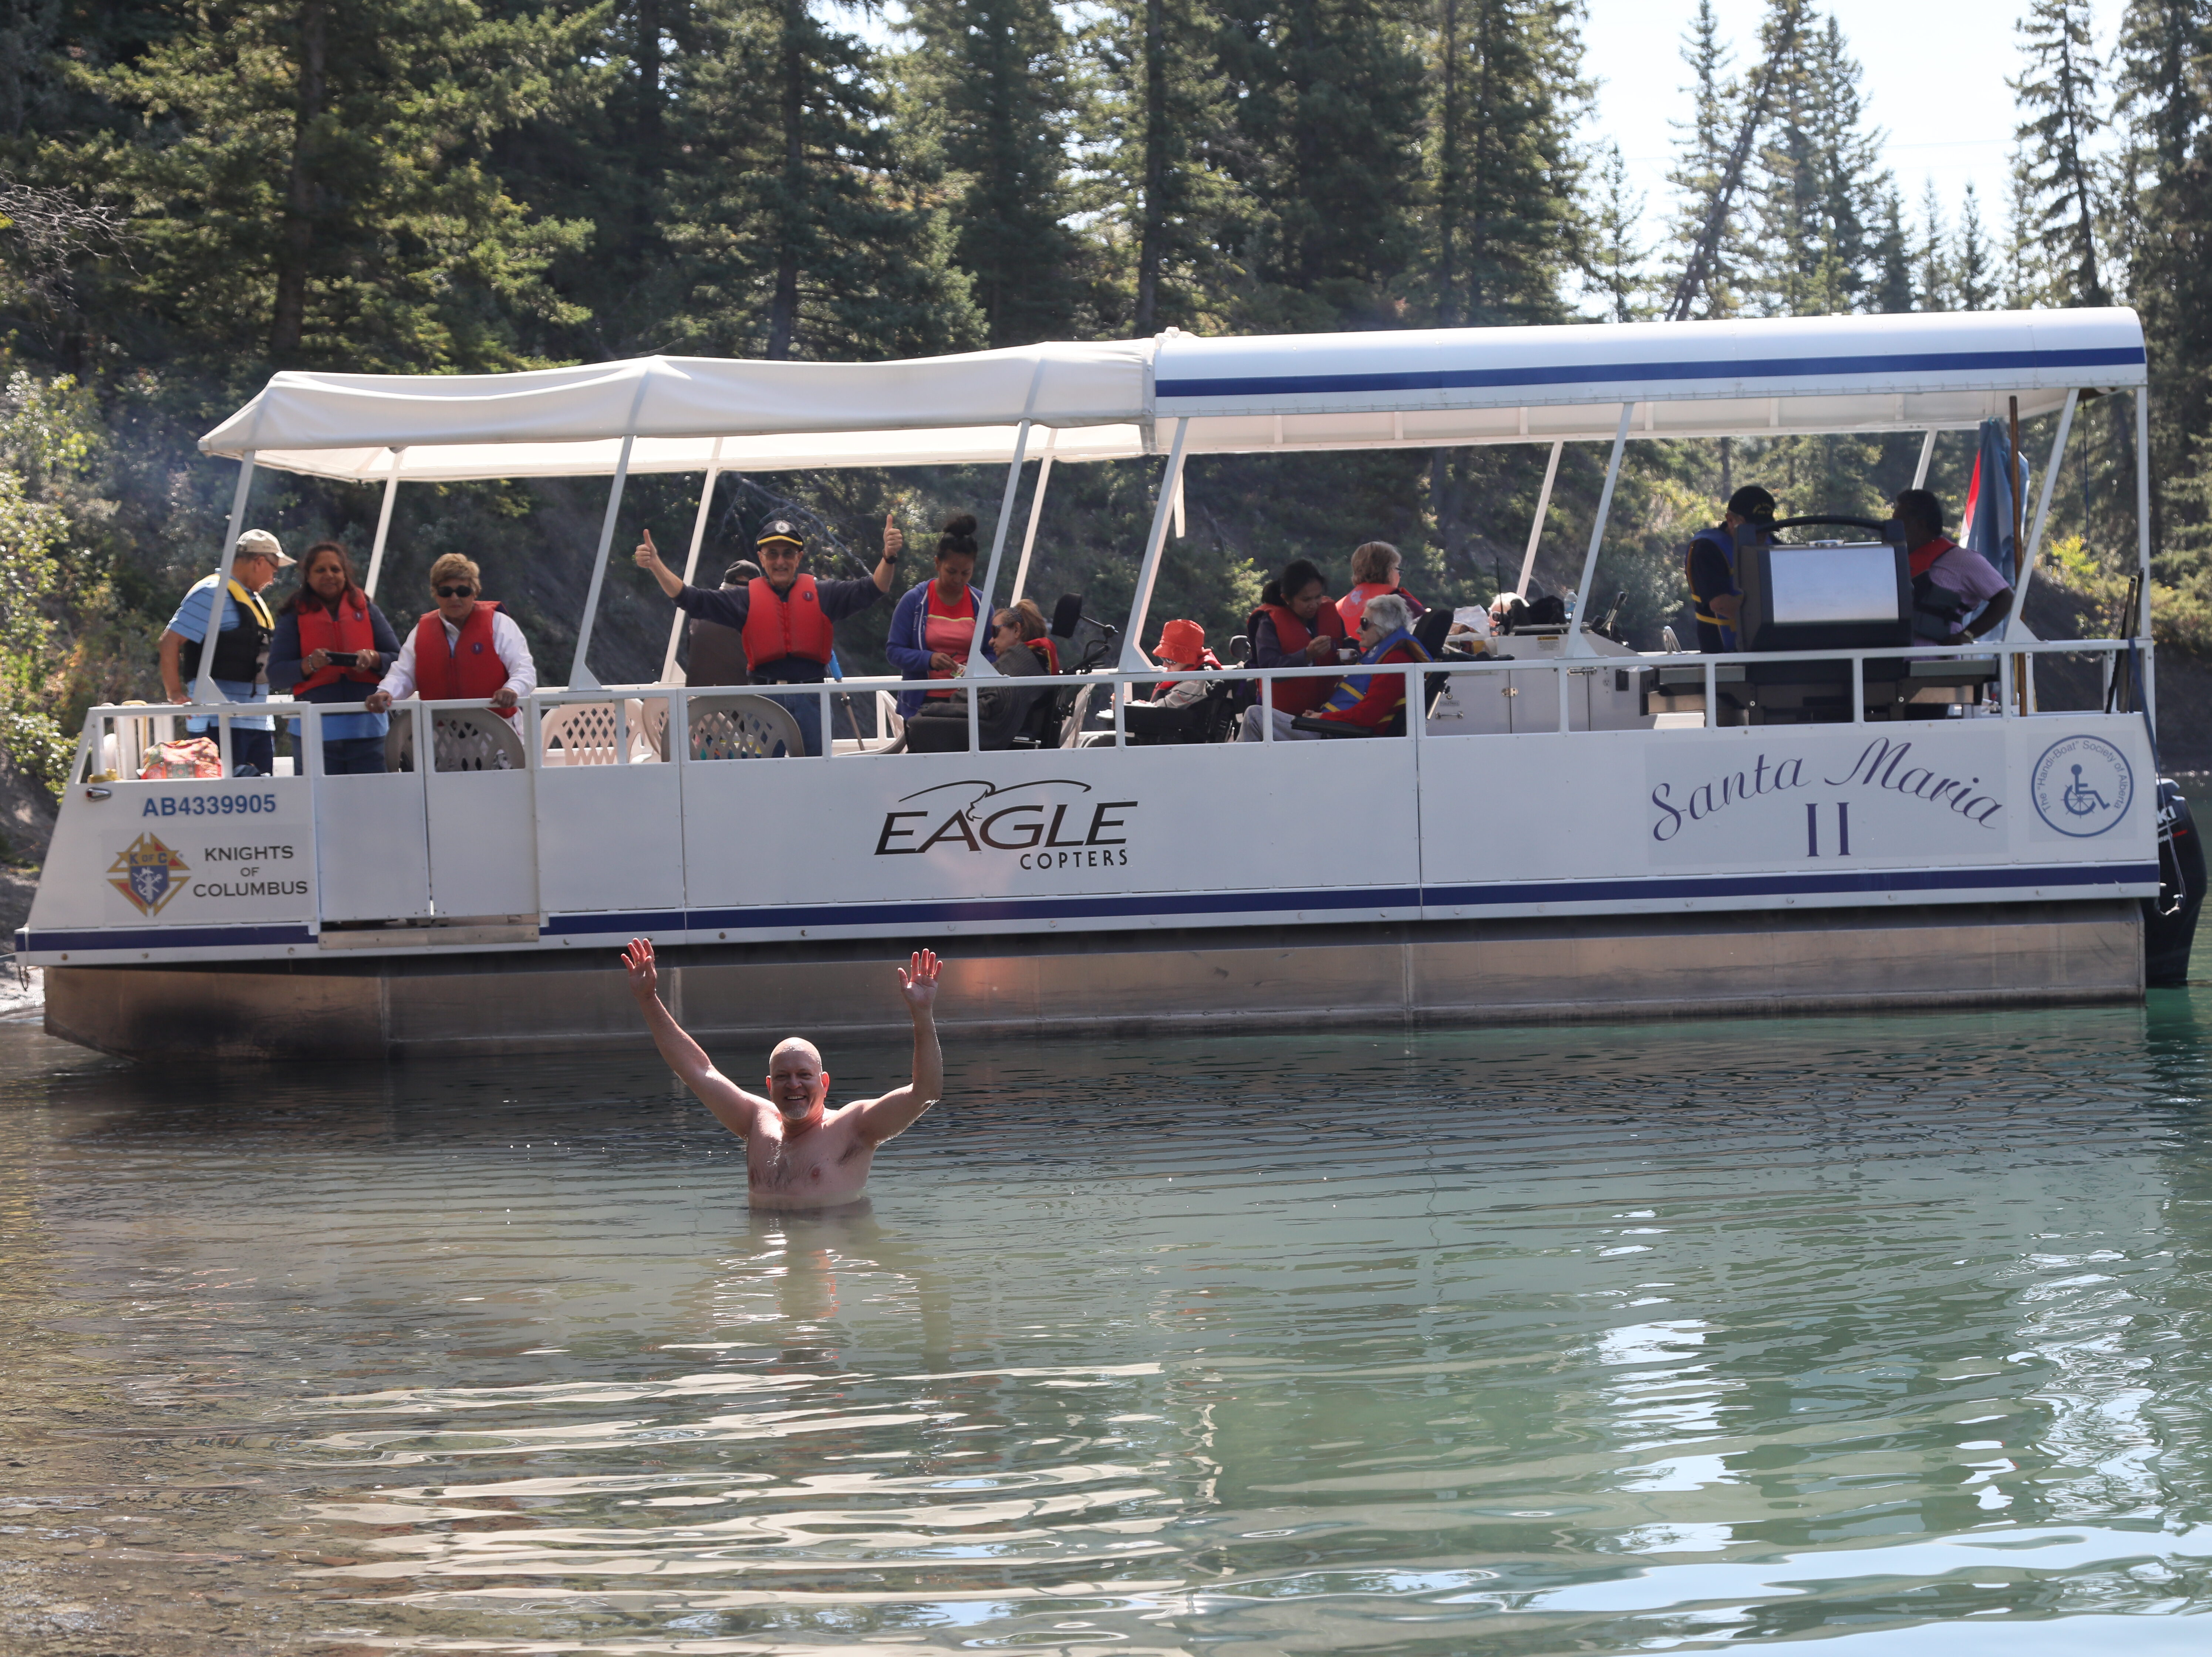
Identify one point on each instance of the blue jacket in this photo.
(904, 646)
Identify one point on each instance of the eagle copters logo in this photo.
(145, 874)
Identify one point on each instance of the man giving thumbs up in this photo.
(784, 618)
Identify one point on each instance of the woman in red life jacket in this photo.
(933, 626)
(330, 645)
(1297, 626)
(1363, 702)
(1375, 566)
(468, 649)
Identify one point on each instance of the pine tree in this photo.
(1501, 162)
(308, 183)
(801, 229)
(2166, 174)
(1892, 258)
(1327, 99)
(1975, 273)
(1702, 152)
(1150, 125)
(2025, 281)
(1615, 268)
(986, 90)
(1935, 275)
(1505, 224)
(2058, 96)
(1818, 184)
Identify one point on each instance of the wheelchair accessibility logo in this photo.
(2082, 786)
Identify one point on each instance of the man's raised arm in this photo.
(731, 1104)
(899, 1109)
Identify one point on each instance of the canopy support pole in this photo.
(1597, 530)
(579, 673)
(2042, 511)
(382, 525)
(1028, 536)
(690, 568)
(1927, 454)
(2143, 555)
(1537, 529)
(1133, 656)
(203, 684)
(978, 663)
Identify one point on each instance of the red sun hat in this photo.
(1182, 643)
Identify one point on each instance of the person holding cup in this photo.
(331, 645)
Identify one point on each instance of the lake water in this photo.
(1889, 1331)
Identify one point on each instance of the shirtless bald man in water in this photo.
(799, 1154)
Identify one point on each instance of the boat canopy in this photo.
(1117, 399)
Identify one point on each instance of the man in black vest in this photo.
(243, 627)
(1715, 598)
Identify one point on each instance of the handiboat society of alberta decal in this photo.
(2082, 786)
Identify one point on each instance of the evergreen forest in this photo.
(197, 193)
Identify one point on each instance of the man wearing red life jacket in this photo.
(787, 620)
(468, 649)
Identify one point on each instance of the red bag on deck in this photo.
(196, 757)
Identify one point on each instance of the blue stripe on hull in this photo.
(1168, 905)
(1010, 909)
(1869, 880)
(166, 938)
(1144, 906)
(1449, 379)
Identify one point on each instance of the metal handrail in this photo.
(312, 714)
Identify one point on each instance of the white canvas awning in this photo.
(1295, 392)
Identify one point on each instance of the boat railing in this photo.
(629, 724)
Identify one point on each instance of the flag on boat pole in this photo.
(1986, 525)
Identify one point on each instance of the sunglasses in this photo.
(455, 592)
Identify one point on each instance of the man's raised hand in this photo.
(644, 976)
(894, 538)
(647, 554)
(917, 979)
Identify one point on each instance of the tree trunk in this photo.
(783, 307)
(648, 82)
(288, 322)
(1152, 232)
(1448, 184)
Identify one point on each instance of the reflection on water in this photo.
(1888, 1330)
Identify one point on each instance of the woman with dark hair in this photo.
(1297, 626)
(933, 626)
(331, 644)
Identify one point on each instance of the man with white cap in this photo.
(241, 636)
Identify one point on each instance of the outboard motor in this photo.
(2170, 919)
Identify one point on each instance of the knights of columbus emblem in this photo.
(145, 874)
